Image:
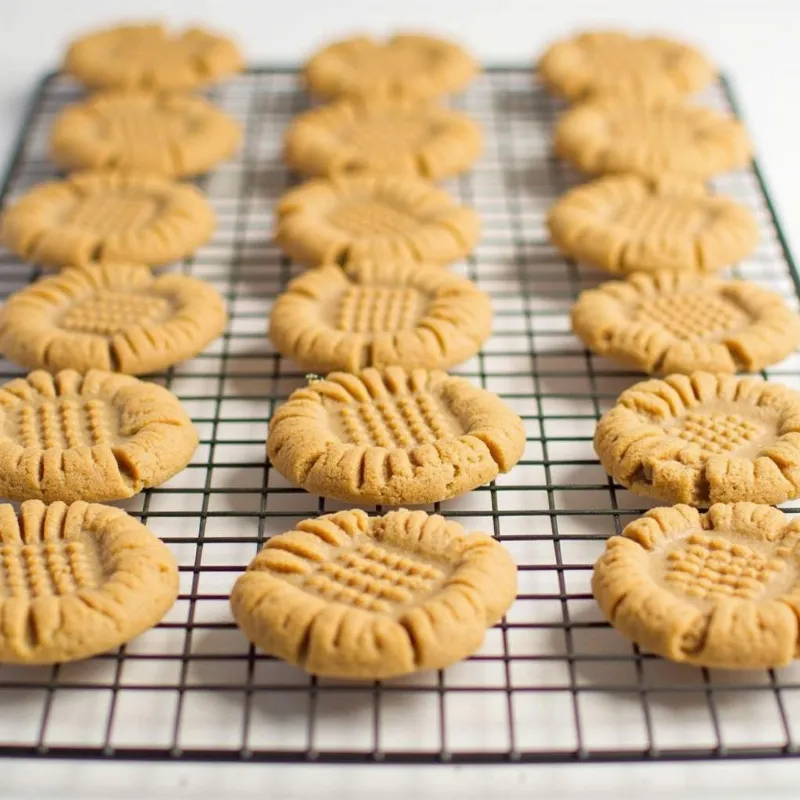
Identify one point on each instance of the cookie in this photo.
(349, 596)
(704, 438)
(379, 315)
(107, 216)
(398, 136)
(393, 437)
(345, 220)
(678, 322)
(98, 436)
(136, 131)
(405, 65)
(720, 589)
(625, 223)
(116, 317)
(78, 580)
(612, 62)
(617, 134)
(148, 56)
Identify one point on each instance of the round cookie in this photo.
(379, 315)
(398, 136)
(616, 63)
(393, 437)
(166, 134)
(110, 316)
(97, 436)
(345, 220)
(668, 322)
(148, 56)
(79, 580)
(107, 216)
(625, 223)
(704, 438)
(405, 65)
(719, 590)
(349, 596)
(617, 134)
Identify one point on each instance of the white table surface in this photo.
(757, 44)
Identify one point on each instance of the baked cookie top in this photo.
(116, 317)
(378, 315)
(148, 56)
(107, 216)
(374, 135)
(704, 438)
(97, 436)
(617, 63)
(668, 322)
(626, 223)
(350, 596)
(345, 220)
(79, 580)
(175, 135)
(404, 65)
(394, 437)
(618, 134)
(720, 589)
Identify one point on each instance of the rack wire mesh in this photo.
(552, 682)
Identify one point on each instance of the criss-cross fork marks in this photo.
(108, 212)
(662, 217)
(386, 135)
(379, 309)
(108, 313)
(717, 433)
(372, 218)
(397, 422)
(374, 578)
(62, 423)
(692, 315)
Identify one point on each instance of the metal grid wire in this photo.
(553, 682)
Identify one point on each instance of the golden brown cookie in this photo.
(98, 436)
(624, 223)
(397, 136)
(136, 131)
(678, 322)
(393, 437)
(110, 316)
(720, 589)
(108, 216)
(617, 134)
(78, 580)
(704, 438)
(612, 62)
(379, 315)
(148, 56)
(345, 220)
(405, 65)
(349, 596)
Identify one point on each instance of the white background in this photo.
(756, 43)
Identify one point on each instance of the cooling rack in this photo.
(553, 682)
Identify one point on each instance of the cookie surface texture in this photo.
(406, 65)
(612, 62)
(379, 315)
(624, 223)
(149, 56)
(703, 439)
(350, 596)
(394, 437)
(668, 322)
(720, 589)
(80, 580)
(345, 220)
(98, 436)
(166, 134)
(107, 216)
(619, 135)
(382, 136)
(117, 317)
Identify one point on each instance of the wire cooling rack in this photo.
(553, 682)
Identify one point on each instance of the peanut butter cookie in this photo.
(349, 596)
(393, 437)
